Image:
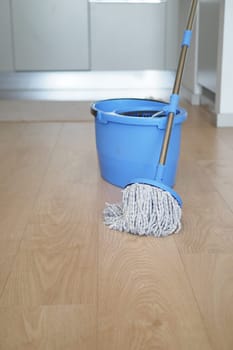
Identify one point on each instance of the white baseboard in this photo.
(85, 86)
(66, 96)
(224, 120)
(194, 99)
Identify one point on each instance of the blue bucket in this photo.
(129, 140)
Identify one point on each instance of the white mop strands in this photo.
(145, 210)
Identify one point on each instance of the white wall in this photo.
(208, 43)
(172, 33)
(224, 70)
(224, 93)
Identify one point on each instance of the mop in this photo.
(149, 207)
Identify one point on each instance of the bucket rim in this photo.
(114, 116)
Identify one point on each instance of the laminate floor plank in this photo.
(57, 327)
(9, 250)
(27, 159)
(68, 282)
(206, 241)
(25, 150)
(207, 219)
(40, 277)
(211, 277)
(220, 172)
(145, 301)
(56, 262)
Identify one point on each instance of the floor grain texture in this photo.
(68, 282)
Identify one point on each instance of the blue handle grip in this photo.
(174, 103)
(187, 38)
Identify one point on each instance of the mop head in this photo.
(145, 210)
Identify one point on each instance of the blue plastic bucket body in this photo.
(129, 147)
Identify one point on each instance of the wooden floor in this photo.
(68, 282)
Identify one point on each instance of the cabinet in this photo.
(128, 36)
(50, 34)
(76, 35)
(6, 54)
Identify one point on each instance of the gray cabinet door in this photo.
(6, 59)
(50, 34)
(128, 36)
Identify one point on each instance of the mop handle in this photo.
(177, 84)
